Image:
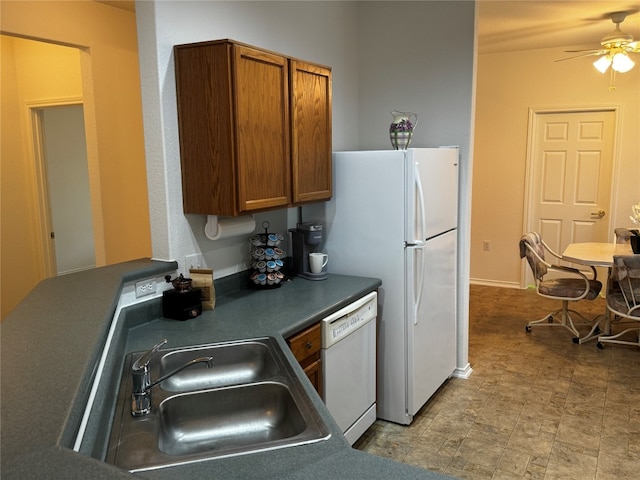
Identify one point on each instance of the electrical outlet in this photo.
(145, 287)
(195, 260)
(486, 246)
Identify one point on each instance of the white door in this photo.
(571, 168)
(67, 183)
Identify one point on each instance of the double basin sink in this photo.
(250, 400)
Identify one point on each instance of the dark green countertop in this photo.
(51, 344)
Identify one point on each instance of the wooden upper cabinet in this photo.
(255, 129)
(262, 128)
(311, 132)
(233, 116)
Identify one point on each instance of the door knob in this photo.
(599, 214)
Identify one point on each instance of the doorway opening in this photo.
(64, 193)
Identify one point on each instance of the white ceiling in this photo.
(507, 25)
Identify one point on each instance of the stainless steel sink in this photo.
(228, 418)
(249, 401)
(233, 364)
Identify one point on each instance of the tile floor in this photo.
(536, 406)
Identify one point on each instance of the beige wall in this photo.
(108, 60)
(21, 260)
(509, 84)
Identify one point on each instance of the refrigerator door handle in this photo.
(420, 283)
(420, 220)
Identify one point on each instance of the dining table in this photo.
(595, 254)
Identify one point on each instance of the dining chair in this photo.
(623, 298)
(572, 286)
(622, 235)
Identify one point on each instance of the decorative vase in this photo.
(401, 129)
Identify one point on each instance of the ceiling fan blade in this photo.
(586, 50)
(633, 47)
(592, 52)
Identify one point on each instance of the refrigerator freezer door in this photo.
(431, 333)
(438, 177)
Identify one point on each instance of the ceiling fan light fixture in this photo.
(602, 64)
(622, 63)
(616, 50)
(617, 39)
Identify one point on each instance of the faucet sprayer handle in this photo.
(142, 363)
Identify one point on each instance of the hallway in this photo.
(536, 406)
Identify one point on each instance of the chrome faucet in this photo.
(141, 377)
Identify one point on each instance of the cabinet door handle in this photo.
(308, 345)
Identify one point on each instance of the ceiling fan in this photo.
(615, 49)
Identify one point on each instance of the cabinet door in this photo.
(311, 132)
(207, 157)
(306, 346)
(262, 141)
(314, 374)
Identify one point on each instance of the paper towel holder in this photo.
(218, 228)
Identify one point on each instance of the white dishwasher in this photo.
(349, 365)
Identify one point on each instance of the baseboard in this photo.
(462, 372)
(494, 283)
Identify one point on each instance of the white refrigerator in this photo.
(394, 216)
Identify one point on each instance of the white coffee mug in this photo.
(317, 261)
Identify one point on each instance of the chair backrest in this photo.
(529, 243)
(625, 273)
(622, 235)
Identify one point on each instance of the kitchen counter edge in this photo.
(81, 306)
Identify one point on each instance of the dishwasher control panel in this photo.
(348, 319)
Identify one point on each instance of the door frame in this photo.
(533, 121)
(41, 185)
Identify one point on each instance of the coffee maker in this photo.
(305, 239)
